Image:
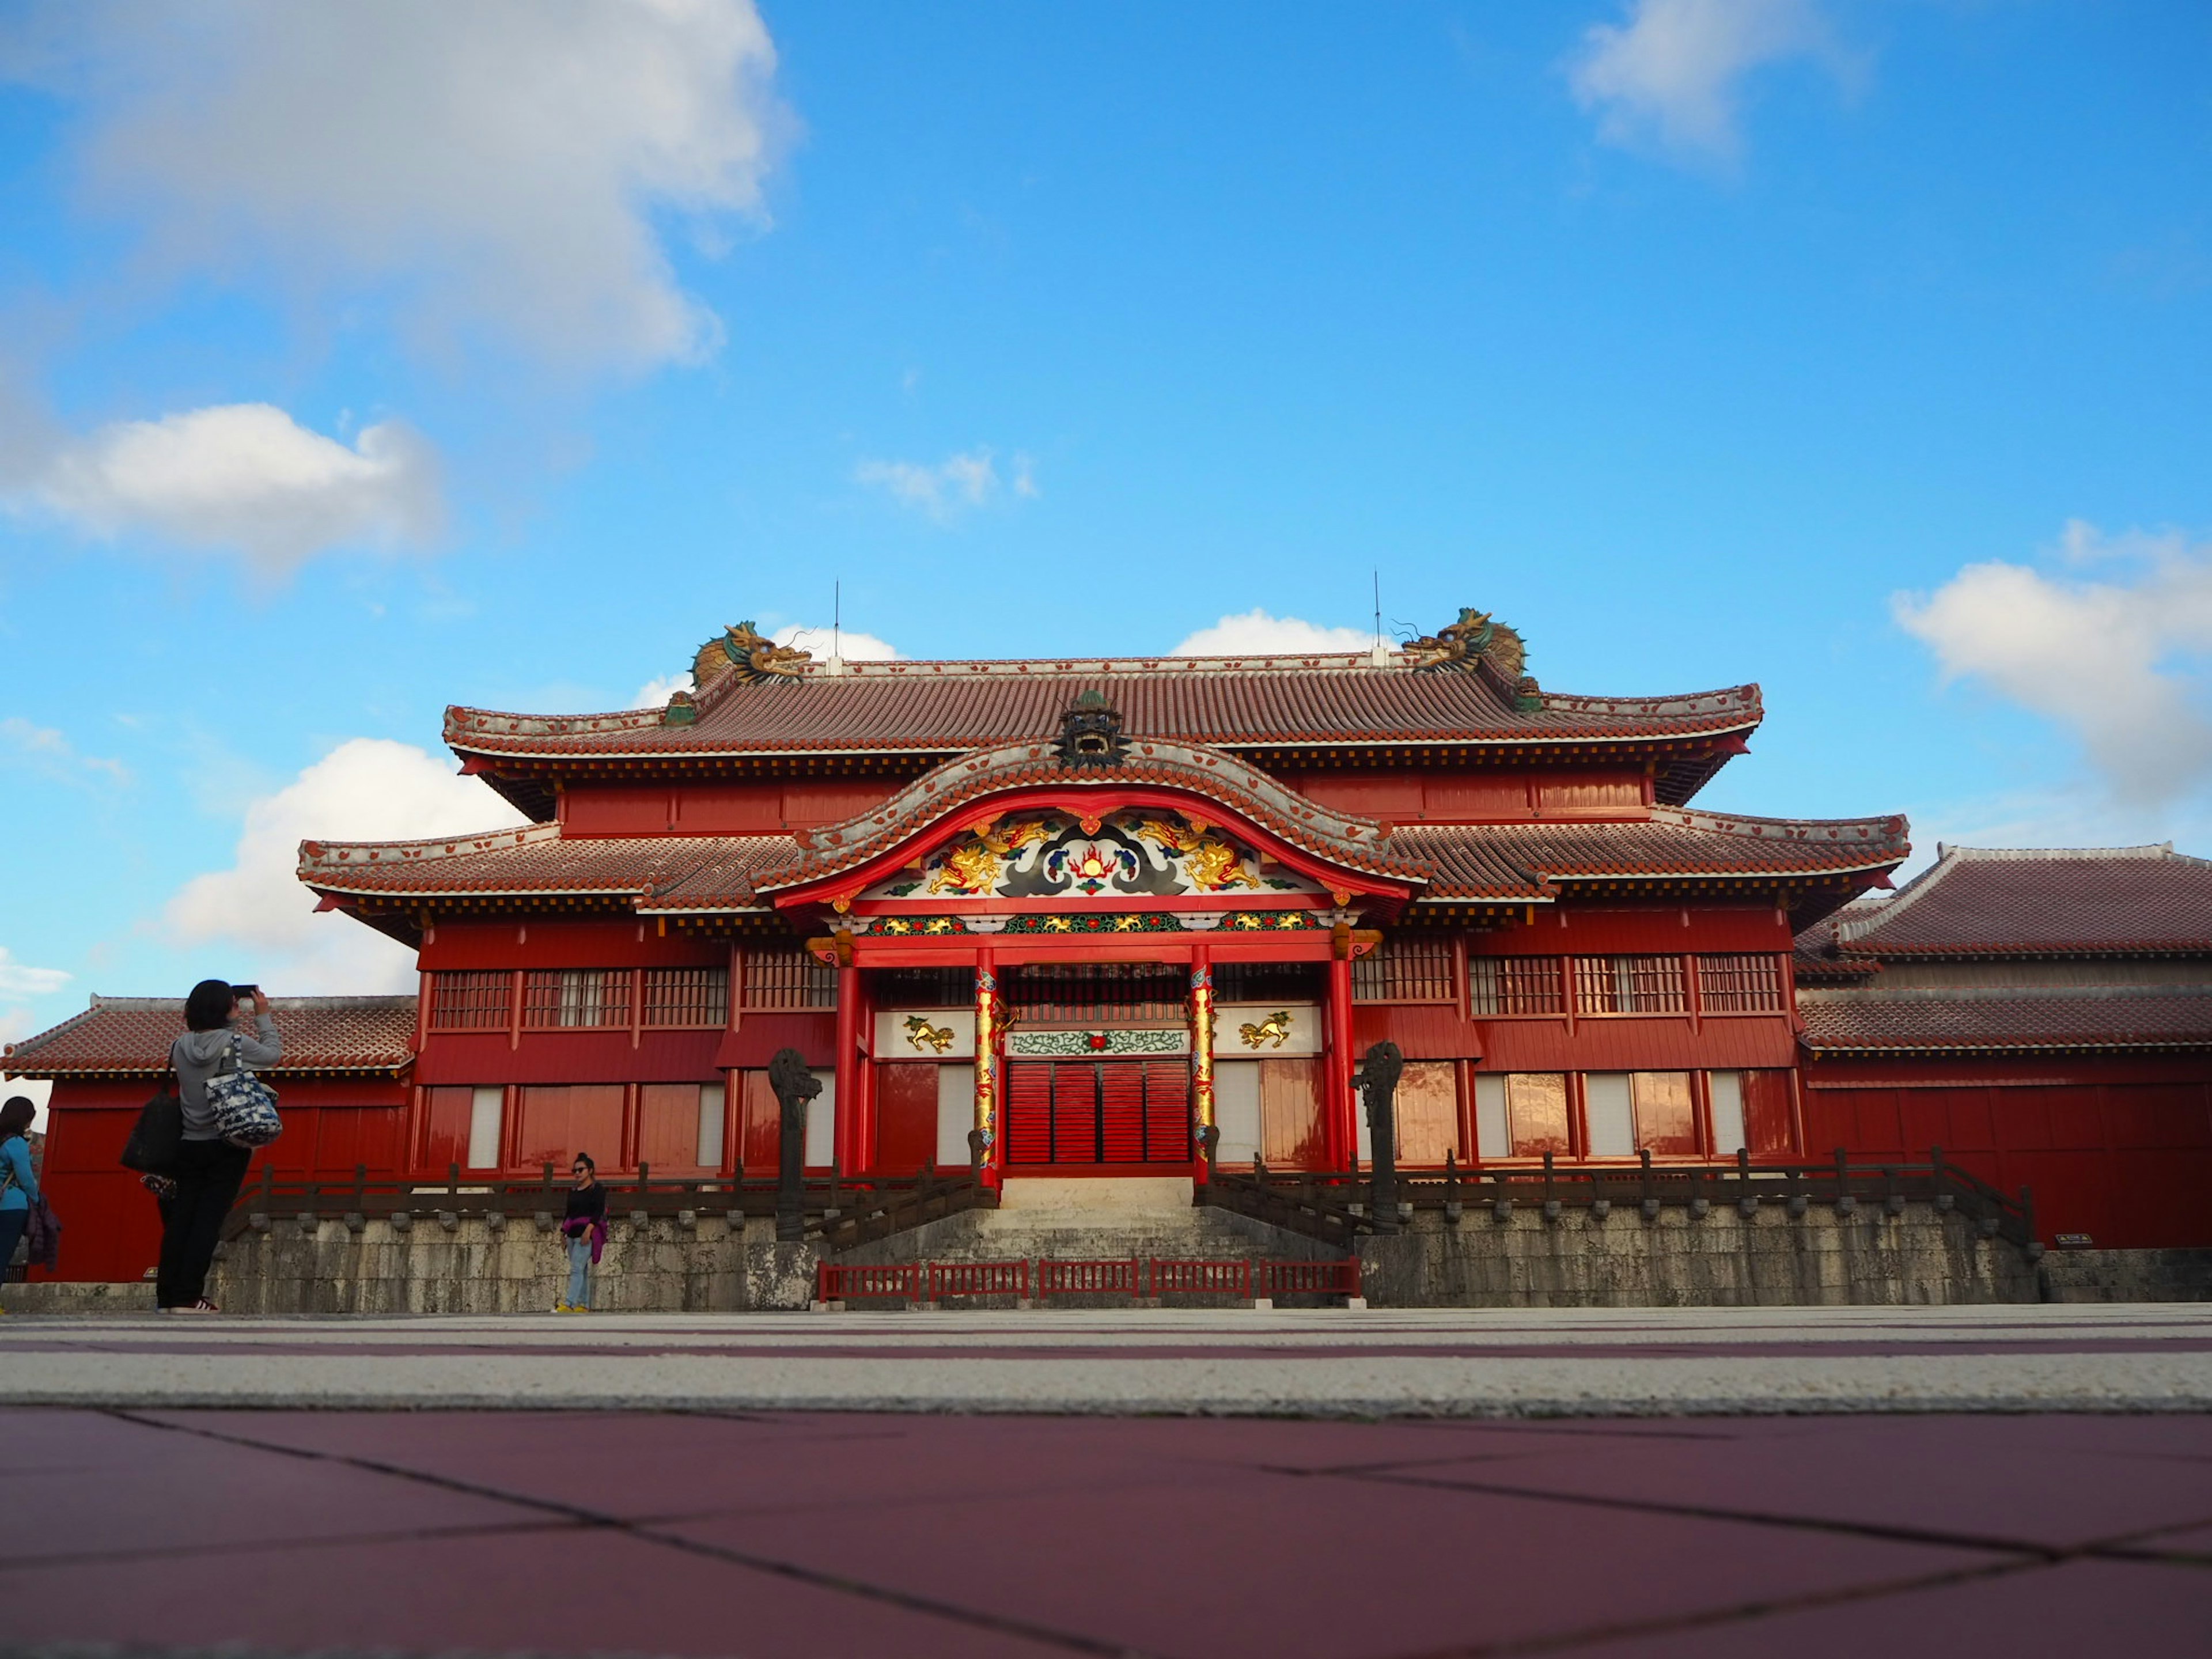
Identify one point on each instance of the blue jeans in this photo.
(580, 1268)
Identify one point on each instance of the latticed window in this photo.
(686, 997)
(1500, 986)
(1411, 968)
(788, 979)
(559, 998)
(1629, 985)
(471, 1002)
(1739, 984)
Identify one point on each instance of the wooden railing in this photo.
(1332, 1206)
(837, 1210)
(1136, 1278)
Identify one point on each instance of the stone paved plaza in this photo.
(2026, 1480)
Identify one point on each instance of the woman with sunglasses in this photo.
(585, 1226)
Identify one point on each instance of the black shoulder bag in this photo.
(157, 1139)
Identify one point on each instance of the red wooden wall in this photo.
(2120, 1150)
(110, 1230)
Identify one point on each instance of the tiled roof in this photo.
(2070, 902)
(1510, 863)
(535, 859)
(944, 708)
(130, 1036)
(1502, 860)
(2008, 1019)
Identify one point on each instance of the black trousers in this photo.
(208, 1175)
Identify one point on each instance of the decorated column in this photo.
(983, 1139)
(1202, 1057)
(1339, 1122)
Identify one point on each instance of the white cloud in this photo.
(2119, 664)
(1671, 72)
(18, 981)
(52, 754)
(242, 478)
(1256, 634)
(367, 789)
(499, 165)
(856, 647)
(953, 486)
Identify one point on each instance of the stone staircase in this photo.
(1107, 1218)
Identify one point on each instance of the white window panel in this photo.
(1610, 1112)
(1728, 1112)
(1236, 1109)
(485, 1109)
(712, 1099)
(956, 1115)
(1491, 1138)
(822, 1122)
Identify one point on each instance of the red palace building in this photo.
(1088, 917)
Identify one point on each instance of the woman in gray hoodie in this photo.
(204, 1184)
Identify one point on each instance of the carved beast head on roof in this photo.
(1477, 636)
(742, 650)
(1090, 732)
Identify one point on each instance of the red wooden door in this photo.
(1099, 1111)
(906, 1116)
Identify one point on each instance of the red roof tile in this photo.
(1494, 858)
(130, 1036)
(1510, 863)
(2011, 1019)
(941, 707)
(535, 859)
(2073, 902)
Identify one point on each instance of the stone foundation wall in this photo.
(470, 1267)
(2126, 1276)
(1821, 1258)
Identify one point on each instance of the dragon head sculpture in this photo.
(742, 650)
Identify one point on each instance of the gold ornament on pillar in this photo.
(986, 1133)
(1202, 1048)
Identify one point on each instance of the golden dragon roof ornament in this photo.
(1478, 638)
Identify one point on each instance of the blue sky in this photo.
(355, 360)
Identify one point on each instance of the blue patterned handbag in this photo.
(245, 1106)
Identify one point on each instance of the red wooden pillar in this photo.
(1340, 1125)
(846, 1141)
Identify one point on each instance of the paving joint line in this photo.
(1072, 1641)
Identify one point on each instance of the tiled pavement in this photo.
(920, 1535)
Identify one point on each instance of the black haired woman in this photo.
(585, 1226)
(205, 1183)
(19, 1182)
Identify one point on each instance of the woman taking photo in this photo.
(204, 1183)
(586, 1225)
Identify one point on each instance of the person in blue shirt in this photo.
(19, 1182)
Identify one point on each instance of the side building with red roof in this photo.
(2045, 1016)
(344, 1084)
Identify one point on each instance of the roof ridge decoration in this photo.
(1478, 640)
(322, 855)
(2150, 852)
(1090, 732)
(1887, 827)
